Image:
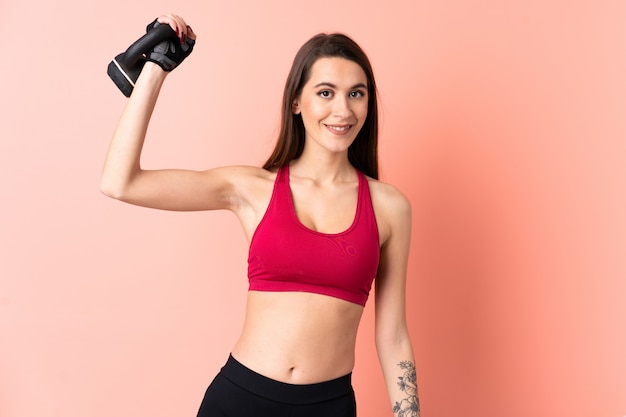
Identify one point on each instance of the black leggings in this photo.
(240, 392)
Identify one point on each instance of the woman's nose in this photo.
(341, 106)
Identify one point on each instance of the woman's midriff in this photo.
(297, 337)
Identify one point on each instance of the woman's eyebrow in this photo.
(331, 85)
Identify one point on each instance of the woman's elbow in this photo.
(111, 188)
(393, 336)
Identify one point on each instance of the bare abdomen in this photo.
(298, 338)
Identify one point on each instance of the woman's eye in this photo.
(357, 94)
(325, 93)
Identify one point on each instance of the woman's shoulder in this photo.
(246, 177)
(243, 175)
(249, 171)
(391, 207)
(388, 197)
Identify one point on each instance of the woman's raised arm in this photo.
(171, 189)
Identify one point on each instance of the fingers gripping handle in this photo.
(126, 67)
(148, 41)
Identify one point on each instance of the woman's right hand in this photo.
(182, 29)
(167, 54)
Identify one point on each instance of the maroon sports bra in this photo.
(285, 255)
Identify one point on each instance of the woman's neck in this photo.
(323, 170)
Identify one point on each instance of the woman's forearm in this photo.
(122, 162)
(398, 366)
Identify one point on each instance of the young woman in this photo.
(320, 226)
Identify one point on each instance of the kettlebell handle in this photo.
(125, 68)
(155, 36)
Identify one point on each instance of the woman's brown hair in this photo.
(363, 153)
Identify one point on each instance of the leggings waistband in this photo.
(283, 392)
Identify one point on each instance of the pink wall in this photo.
(503, 122)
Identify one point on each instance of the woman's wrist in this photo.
(150, 79)
(153, 70)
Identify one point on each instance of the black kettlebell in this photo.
(126, 67)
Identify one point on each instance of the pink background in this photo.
(503, 122)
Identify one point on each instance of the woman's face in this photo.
(333, 103)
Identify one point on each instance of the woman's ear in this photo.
(295, 106)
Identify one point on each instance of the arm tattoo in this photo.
(409, 406)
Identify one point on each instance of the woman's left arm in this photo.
(393, 344)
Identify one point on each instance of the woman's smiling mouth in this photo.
(339, 129)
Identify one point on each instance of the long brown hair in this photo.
(363, 153)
